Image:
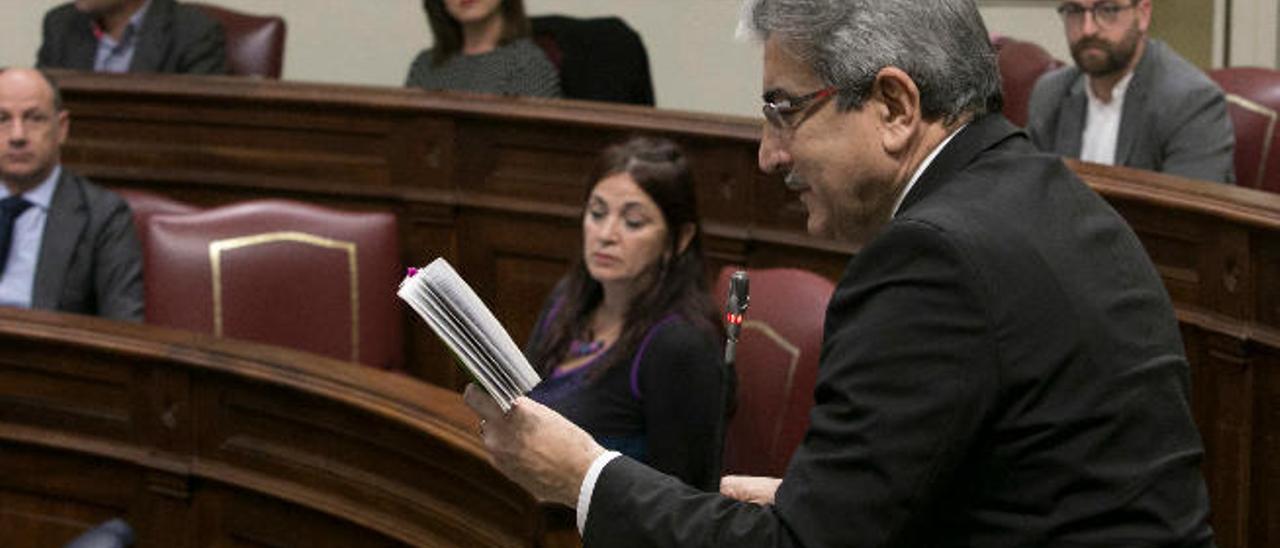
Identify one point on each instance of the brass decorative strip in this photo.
(1270, 115)
(215, 260)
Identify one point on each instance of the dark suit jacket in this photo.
(1174, 118)
(90, 260)
(1001, 367)
(174, 39)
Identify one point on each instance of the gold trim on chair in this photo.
(215, 260)
(787, 347)
(1270, 115)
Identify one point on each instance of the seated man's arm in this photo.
(206, 53)
(117, 272)
(1201, 145)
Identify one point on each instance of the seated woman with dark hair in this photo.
(482, 46)
(628, 343)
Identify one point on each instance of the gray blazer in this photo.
(173, 39)
(90, 260)
(1174, 118)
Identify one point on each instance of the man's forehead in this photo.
(19, 89)
(783, 70)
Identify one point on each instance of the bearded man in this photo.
(1130, 100)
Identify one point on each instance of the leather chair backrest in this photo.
(255, 43)
(280, 272)
(1021, 64)
(1253, 101)
(145, 204)
(600, 59)
(777, 367)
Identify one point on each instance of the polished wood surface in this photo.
(495, 185)
(198, 441)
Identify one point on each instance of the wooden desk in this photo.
(495, 185)
(198, 441)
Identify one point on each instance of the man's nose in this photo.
(1089, 23)
(17, 132)
(773, 155)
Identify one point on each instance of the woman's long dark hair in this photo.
(676, 284)
(448, 31)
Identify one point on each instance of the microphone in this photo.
(735, 307)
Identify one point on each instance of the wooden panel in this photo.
(495, 185)
(228, 443)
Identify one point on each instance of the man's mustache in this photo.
(1091, 42)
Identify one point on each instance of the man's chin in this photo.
(22, 179)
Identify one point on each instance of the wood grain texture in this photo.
(495, 185)
(213, 441)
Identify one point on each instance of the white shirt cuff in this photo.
(589, 486)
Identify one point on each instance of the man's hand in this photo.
(534, 446)
(754, 489)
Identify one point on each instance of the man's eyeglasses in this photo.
(1104, 13)
(781, 110)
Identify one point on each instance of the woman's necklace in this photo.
(579, 348)
(590, 344)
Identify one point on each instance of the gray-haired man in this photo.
(1001, 364)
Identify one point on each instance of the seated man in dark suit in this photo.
(1130, 100)
(132, 36)
(1001, 365)
(65, 243)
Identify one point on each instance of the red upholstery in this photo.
(1021, 64)
(1253, 99)
(255, 44)
(777, 365)
(280, 272)
(145, 204)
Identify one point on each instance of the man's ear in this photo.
(686, 237)
(63, 121)
(899, 110)
(1143, 9)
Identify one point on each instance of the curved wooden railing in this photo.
(197, 441)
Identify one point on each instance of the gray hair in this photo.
(941, 44)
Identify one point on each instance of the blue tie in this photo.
(10, 209)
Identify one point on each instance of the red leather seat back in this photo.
(1253, 100)
(145, 204)
(777, 366)
(1021, 64)
(255, 44)
(280, 272)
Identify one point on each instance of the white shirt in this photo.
(1102, 124)
(19, 275)
(597, 466)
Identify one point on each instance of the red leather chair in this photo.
(1021, 64)
(145, 204)
(280, 272)
(255, 43)
(777, 366)
(1253, 99)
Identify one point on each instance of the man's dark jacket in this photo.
(173, 39)
(1001, 368)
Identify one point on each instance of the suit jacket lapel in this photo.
(980, 135)
(1135, 100)
(1071, 120)
(63, 227)
(82, 46)
(153, 38)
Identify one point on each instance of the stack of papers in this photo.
(470, 330)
